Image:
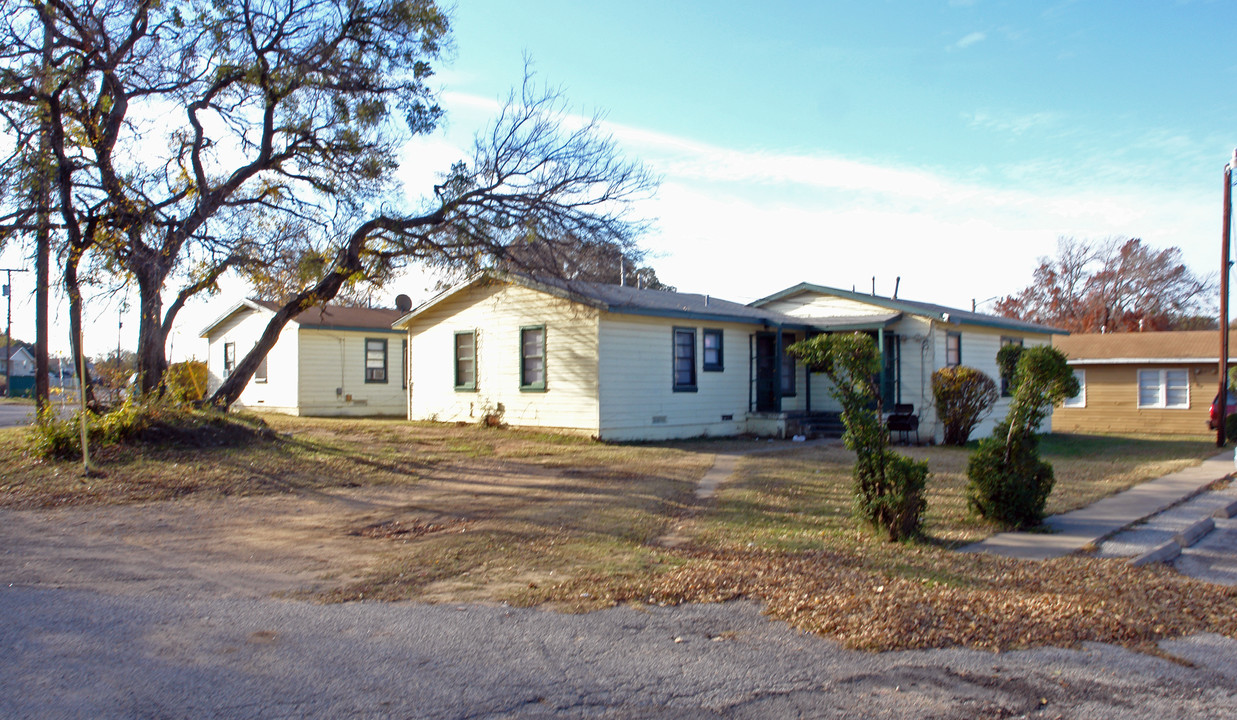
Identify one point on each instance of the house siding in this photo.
(1112, 403)
(331, 368)
(809, 304)
(921, 343)
(279, 393)
(638, 400)
(497, 312)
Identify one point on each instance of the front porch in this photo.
(811, 424)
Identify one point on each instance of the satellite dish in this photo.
(403, 303)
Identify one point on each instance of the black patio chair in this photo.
(904, 421)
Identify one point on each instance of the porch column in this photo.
(777, 367)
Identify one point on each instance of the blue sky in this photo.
(949, 143)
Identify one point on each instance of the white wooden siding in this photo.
(979, 350)
(638, 401)
(811, 304)
(496, 313)
(332, 374)
(279, 393)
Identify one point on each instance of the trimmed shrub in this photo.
(1008, 482)
(1012, 489)
(888, 486)
(963, 396)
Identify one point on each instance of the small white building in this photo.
(328, 361)
(622, 363)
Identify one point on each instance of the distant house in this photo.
(329, 360)
(916, 340)
(22, 360)
(1149, 382)
(622, 363)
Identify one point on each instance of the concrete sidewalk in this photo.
(1072, 531)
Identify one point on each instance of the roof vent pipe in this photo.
(874, 286)
(896, 283)
(706, 300)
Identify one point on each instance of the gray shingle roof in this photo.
(915, 308)
(627, 300)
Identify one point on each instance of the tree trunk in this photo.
(152, 361)
(73, 289)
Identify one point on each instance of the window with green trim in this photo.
(532, 358)
(712, 351)
(403, 365)
(375, 360)
(684, 359)
(229, 358)
(466, 360)
(260, 375)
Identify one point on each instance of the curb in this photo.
(1226, 512)
(1160, 553)
(1182, 540)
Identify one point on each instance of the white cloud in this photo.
(968, 40)
(1012, 123)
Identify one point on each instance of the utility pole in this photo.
(8, 332)
(1222, 396)
(42, 237)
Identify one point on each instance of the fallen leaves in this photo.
(1007, 604)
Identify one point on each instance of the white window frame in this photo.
(1161, 378)
(1079, 400)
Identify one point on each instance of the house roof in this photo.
(627, 300)
(938, 312)
(1201, 346)
(340, 316)
(335, 317)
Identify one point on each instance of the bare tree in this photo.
(175, 125)
(1116, 285)
(532, 176)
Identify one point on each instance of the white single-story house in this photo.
(623, 363)
(329, 360)
(916, 339)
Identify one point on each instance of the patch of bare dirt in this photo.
(251, 547)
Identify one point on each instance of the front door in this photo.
(767, 381)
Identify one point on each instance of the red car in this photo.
(1230, 408)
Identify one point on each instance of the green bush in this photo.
(888, 487)
(56, 437)
(1013, 490)
(152, 420)
(1008, 483)
(963, 396)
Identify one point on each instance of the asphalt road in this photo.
(16, 414)
(78, 653)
